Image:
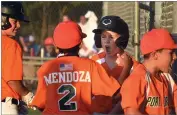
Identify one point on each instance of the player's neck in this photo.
(111, 58)
(67, 54)
(151, 67)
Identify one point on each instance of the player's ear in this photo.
(80, 45)
(154, 55)
(157, 54)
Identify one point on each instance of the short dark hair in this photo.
(147, 56)
(74, 49)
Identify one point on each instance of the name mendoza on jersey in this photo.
(67, 77)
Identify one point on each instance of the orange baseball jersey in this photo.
(11, 66)
(103, 104)
(66, 85)
(148, 94)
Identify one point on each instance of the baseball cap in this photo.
(68, 34)
(112, 23)
(48, 41)
(156, 39)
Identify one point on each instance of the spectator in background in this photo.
(33, 47)
(49, 49)
(23, 44)
(66, 18)
(88, 47)
(82, 23)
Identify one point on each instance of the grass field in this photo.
(33, 112)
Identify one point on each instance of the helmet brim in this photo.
(98, 31)
(22, 18)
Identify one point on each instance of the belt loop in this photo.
(8, 100)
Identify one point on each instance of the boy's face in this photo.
(49, 48)
(164, 60)
(12, 31)
(108, 39)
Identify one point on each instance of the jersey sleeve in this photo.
(12, 65)
(102, 84)
(132, 92)
(40, 96)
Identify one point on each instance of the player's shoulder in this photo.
(9, 41)
(98, 56)
(51, 62)
(138, 76)
(138, 73)
(9, 44)
(76, 60)
(86, 60)
(47, 65)
(90, 63)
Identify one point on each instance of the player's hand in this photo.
(22, 108)
(32, 107)
(125, 59)
(28, 98)
(25, 49)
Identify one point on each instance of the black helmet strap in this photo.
(5, 24)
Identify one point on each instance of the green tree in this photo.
(43, 14)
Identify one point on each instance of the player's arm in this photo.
(40, 96)
(132, 111)
(18, 87)
(124, 74)
(128, 63)
(102, 84)
(22, 41)
(13, 72)
(117, 109)
(133, 94)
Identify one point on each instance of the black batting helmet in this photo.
(115, 24)
(12, 10)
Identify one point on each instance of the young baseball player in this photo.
(12, 71)
(112, 35)
(67, 84)
(150, 89)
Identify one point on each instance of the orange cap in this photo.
(156, 39)
(68, 34)
(48, 41)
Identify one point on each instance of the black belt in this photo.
(14, 101)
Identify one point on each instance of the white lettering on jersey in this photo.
(47, 79)
(87, 78)
(67, 77)
(54, 75)
(75, 76)
(81, 73)
(61, 77)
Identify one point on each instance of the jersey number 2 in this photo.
(65, 103)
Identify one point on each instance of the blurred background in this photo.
(36, 37)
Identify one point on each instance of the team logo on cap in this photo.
(106, 22)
